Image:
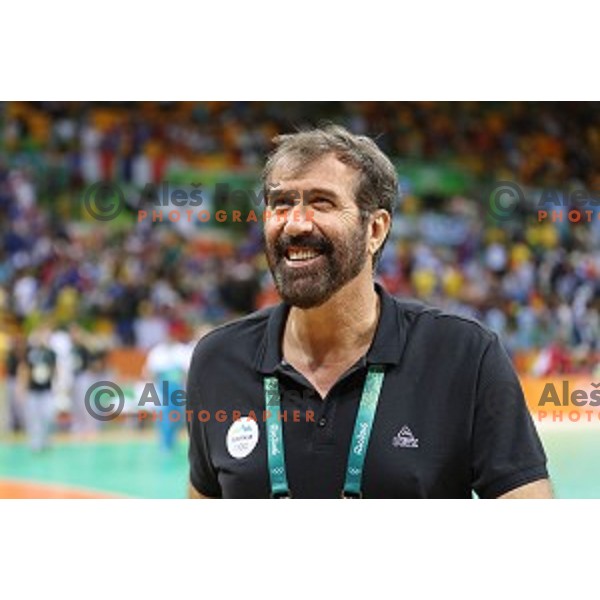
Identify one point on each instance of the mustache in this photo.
(319, 243)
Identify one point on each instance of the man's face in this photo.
(320, 245)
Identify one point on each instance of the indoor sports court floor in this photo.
(112, 465)
(131, 464)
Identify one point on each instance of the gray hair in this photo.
(378, 182)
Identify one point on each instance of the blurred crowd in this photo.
(536, 284)
(543, 143)
(536, 287)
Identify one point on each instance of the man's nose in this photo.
(299, 221)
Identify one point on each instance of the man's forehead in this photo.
(324, 171)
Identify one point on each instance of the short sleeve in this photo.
(202, 473)
(506, 450)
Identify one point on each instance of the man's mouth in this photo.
(298, 256)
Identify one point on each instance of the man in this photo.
(81, 353)
(37, 373)
(342, 390)
(15, 356)
(166, 365)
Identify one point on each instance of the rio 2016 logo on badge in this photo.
(242, 437)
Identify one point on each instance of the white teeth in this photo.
(302, 254)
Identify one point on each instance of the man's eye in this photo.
(281, 202)
(320, 202)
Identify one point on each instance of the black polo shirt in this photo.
(451, 417)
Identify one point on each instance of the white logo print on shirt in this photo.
(405, 439)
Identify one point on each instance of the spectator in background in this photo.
(240, 287)
(37, 373)
(15, 356)
(83, 423)
(166, 367)
(554, 359)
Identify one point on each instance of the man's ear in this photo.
(379, 227)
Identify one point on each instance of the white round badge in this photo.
(242, 437)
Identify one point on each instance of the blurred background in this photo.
(86, 297)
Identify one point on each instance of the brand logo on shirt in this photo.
(242, 437)
(405, 439)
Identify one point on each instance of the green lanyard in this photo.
(360, 438)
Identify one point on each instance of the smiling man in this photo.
(343, 390)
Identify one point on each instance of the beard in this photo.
(312, 285)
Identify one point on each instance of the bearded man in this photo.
(343, 390)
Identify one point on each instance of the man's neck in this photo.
(336, 331)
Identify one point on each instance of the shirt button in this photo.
(322, 422)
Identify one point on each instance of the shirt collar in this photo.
(386, 348)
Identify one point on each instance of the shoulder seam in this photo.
(438, 313)
(259, 315)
